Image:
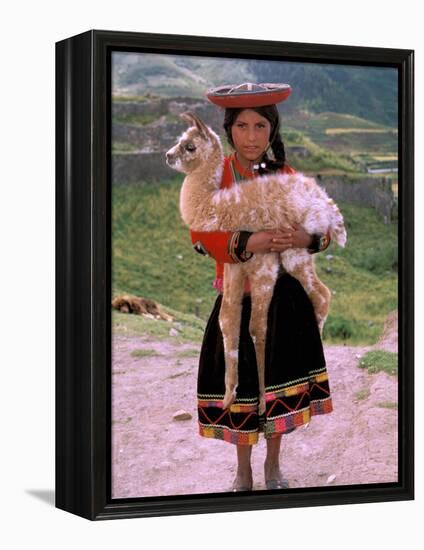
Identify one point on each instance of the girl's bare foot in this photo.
(273, 476)
(243, 480)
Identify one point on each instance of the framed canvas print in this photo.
(234, 274)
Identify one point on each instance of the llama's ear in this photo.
(194, 120)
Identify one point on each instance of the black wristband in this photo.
(241, 248)
(237, 246)
(314, 246)
(319, 243)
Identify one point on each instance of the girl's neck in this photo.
(245, 163)
(241, 170)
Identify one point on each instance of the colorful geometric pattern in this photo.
(288, 407)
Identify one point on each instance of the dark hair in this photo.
(270, 112)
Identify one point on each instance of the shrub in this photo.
(380, 360)
(337, 327)
(380, 259)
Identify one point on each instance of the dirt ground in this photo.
(154, 454)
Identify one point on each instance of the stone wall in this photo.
(163, 132)
(139, 167)
(374, 192)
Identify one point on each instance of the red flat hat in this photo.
(248, 95)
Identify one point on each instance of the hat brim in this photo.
(247, 99)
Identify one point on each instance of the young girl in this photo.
(296, 381)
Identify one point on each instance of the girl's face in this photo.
(250, 133)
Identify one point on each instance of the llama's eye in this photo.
(190, 147)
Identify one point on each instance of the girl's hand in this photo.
(279, 240)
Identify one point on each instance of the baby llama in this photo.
(262, 203)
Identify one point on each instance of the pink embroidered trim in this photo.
(218, 284)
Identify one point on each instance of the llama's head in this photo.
(196, 147)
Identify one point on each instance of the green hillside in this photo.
(170, 75)
(152, 257)
(367, 92)
(343, 133)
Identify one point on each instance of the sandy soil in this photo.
(154, 454)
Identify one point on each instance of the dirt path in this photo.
(153, 454)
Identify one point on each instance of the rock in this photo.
(182, 415)
(173, 332)
(165, 465)
(329, 257)
(331, 478)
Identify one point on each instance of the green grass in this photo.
(144, 353)
(363, 277)
(361, 395)
(126, 421)
(152, 257)
(187, 353)
(189, 327)
(372, 245)
(130, 98)
(378, 360)
(387, 405)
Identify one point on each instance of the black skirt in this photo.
(296, 380)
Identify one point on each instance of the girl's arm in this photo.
(222, 246)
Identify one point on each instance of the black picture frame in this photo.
(83, 240)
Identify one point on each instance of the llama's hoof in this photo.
(321, 323)
(229, 399)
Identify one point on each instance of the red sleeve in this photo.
(287, 169)
(214, 243)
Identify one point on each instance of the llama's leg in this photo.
(229, 321)
(262, 282)
(300, 264)
(322, 307)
